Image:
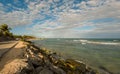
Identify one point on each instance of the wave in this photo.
(80, 40)
(97, 42)
(105, 43)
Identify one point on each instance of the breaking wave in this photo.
(97, 42)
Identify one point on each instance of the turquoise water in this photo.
(96, 53)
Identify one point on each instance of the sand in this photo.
(12, 60)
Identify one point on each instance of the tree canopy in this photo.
(5, 34)
(5, 31)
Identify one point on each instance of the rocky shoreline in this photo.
(42, 61)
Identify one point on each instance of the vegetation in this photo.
(24, 37)
(5, 31)
(28, 37)
(5, 34)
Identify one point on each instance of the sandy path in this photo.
(13, 54)
(6, 44)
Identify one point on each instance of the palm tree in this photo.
(5, 30)
(4, 27)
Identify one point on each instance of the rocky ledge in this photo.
(42, 61)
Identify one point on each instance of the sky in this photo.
(62, 18)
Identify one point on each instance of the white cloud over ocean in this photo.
(65, 18)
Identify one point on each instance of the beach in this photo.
(9, 62)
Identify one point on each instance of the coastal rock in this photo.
(57, 70)
(54, 58)
(28, 70)
(40, 55)
(42, 61)
(46, 71)
(38, 69)
(35, 62)
(73, 67)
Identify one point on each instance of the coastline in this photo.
(42, 60)
(30, 59)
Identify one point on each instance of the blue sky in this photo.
(62, 18)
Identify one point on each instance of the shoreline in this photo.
(30, 59)
(55, 63)
(100, 69)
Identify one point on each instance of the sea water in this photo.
(101, 54)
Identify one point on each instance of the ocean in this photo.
(102, 55)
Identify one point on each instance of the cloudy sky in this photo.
(62, 18)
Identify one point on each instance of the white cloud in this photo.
(56, 0)
(105, 11)
(1, 4)
(67, 17)
(68, 20)
(21, 17)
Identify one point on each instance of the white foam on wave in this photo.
(105, 43)
(96, 42)
(115, 40)
(80, 40)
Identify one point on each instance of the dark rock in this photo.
(46, 71)
(35, 62)
(38, 69)
(57, 70)
(54, 58)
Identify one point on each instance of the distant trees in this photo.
(28, 37)
(5, 34)
(5, 31)
(23, 37)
